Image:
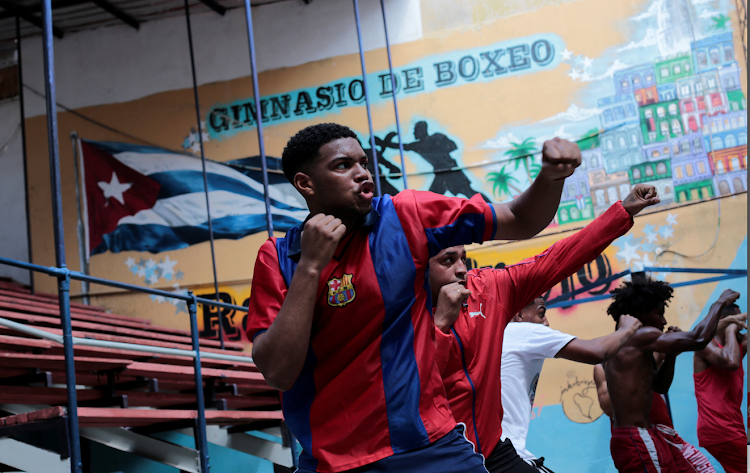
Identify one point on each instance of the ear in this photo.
(518, 317)
(304, 184)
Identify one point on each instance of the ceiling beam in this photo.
(26, 14)
(121, 15)
(37, 7)
(215, 6)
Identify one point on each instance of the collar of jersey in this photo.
(293, 235)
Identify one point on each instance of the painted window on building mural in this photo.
(720, 167)
(689, 169)
(701, 167)
(717, 143)
(660, 112)
(619, 113)
(702, 59)
(574, 213)
(600, 198)
(624, 191)
(730, 141)
(739, 186)
(667, 190)
(675, 149)
(649, 79)
(714, 54)
(649, 171)
(648, 113)
(678, 172)
(734, 164)
(608, 116)
(685, 146)
(636, 80)
(661, 168)
(724, 188)
(634, 139)
(698, 90)
(687, 67)
(664, 71)
(655, 153)
(728, 53)
(649, 94)
(571, 190)
(716, 100)
(711, 83)
(664, 127)
(729, 82)
(672, 109)
(636, 173)
(742, 138)
(584, 191)
(621, 142)
(685, 90)
(564, 215)
(676, 128)
(692, 124)
(612, 195)
(594, 161)
(624, 84)
(688, 107)
(610, 145)
(677, 69)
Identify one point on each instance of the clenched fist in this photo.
(642, 196)
(451, 298)
(560, 158)
(320, 238)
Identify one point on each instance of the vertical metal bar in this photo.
(258, 115)
(201, 442)
(395, 100)
(205, 176)
(367, 98)
(59, 232)
(83, 258)
(23, 145)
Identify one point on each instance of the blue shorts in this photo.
(453, 453)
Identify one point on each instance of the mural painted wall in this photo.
(652, 90)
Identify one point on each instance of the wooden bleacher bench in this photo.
(32, 371)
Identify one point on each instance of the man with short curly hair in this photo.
(632, 378)
(340, 313)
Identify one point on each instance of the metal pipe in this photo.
(201, 441)
(52, 271)
(83, 258)
(59, 232)
(367, 99)
(258, 116)
(395, 100)
(23, 146)
(205, 175)
(90, 342)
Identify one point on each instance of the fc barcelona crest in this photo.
(341, 291)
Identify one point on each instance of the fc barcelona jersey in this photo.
(369, 387)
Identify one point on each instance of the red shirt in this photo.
(469, 358)
(369, 387)
(719, 396)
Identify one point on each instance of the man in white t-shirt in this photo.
(526, 344)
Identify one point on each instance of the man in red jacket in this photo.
(473, 308)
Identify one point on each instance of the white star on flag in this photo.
(672, 219)
(114, 188)
(628, 253)
(167, 266)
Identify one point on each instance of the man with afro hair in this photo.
(340, 310)
(632, 377)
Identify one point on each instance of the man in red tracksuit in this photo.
(473, 308)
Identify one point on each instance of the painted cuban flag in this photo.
(141, 198)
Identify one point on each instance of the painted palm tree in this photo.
(502, 183)
(520, 153)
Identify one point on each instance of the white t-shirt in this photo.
(525, 347)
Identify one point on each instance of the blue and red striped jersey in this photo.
(469, 358)
(369, 387)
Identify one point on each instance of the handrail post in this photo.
(201, 442)
(63, 286)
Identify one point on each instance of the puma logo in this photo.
(474, 314)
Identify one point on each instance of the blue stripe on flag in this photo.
(396, 273)
(468, 228)
(157, 238)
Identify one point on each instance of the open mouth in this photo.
(366, 190)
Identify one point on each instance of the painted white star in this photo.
(574, 74)
(167, 267)
(652, 237)
(114, 188)
(566, 54)
(130, 262)
(645, 261)
(159, 299)
(585, 77)
(666, 232)
(206, 138)
(195, 147)
(628, 253)
(153, 279)
(587, 61)
(150, 264)
(141, 272)
(672, 219)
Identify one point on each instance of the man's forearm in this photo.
(531, 211)
(280, 352)
(706, 329)
(597, 350)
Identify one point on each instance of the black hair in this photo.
(303, 147)
(728, 309)
(639, 296)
